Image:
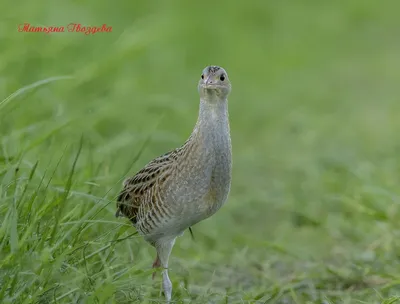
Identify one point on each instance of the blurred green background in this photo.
(313, 215)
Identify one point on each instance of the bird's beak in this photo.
(209, 80)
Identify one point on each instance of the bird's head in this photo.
(214, 83)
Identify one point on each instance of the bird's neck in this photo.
(211, 134)
(213, 118)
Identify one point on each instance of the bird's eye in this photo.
(222, 77)
(202, 76)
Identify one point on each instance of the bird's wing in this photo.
(134, 189)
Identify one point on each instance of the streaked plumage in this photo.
(189, 184)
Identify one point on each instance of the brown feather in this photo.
(130, 200)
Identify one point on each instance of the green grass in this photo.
(313, 214)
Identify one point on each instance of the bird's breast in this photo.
(215, 169)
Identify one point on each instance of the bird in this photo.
(188, 184)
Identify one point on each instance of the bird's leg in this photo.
(156, 264)
(164, 248)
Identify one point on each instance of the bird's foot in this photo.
(167, 286)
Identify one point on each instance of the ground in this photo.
(313, 214)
